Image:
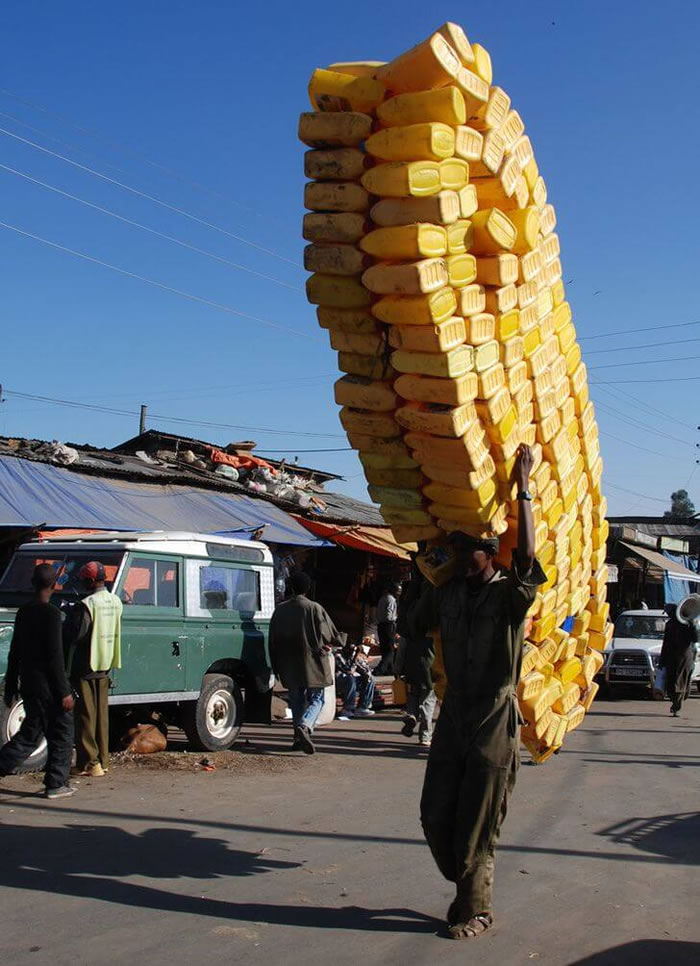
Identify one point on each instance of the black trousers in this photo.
(44, 717)
(386, 632)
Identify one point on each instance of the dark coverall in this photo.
(35, 667)
(678, 657)
(474, 756)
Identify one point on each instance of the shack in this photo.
(158, 481)
(652, 561)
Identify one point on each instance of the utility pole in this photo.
(142, 419)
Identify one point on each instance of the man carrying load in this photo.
(474, 755)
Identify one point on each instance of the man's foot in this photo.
(64, 791)
(474, 927)
(346, 715)
(90, 771)
(303, 736)
(409, 725)
(425, 741)
(364, 712)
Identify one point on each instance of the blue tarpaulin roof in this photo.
(34, 494)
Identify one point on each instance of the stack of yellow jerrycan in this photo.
(436, 271)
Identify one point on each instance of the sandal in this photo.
(470, 930)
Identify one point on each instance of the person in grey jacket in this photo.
(301, 637)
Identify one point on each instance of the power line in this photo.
(644, 362)
(120, 145)
(618, 382)
(638, 424)
(648, 345)
(637, 402)
(152, 231)
(93, 407)
(643, 496)
(651, 328)
(271, 452)
(151, 281)
(643, 449)
(152, 198)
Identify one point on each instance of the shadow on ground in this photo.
(91, 862)
(675, 836)
(645, 952)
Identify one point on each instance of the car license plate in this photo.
(630, 672)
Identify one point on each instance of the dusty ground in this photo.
(278, 856)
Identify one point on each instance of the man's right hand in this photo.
(68, 703)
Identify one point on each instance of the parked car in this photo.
(194, 627)
(633, 656)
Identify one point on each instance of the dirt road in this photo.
(282, 858)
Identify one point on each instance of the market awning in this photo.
(370, 539)
(672, 569)
(40, 494)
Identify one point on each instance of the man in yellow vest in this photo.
(93, 636)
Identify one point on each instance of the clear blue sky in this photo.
(608, 92)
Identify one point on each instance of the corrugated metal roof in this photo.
(658, 527)
(343, 508)
(106, 463)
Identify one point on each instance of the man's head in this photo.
(44, 580)
(300, 583)
(92, 574)
(474, 556)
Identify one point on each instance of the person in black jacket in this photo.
(36, 670)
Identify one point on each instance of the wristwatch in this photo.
(524, 495)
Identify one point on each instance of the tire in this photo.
(212, 723)
(10, 720)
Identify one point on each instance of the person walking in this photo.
(93, 643)
(418, 658)
(301, 635)
(387, 613)
(36, 671)
(677, 658)
(474, 756)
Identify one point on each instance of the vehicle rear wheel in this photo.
(212, 723)
(10, 721)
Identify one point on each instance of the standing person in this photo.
(93, 639)
(678, 658)
(36, 670)
(419, 655)
(474, 755)
(387, 613)
(301, 635)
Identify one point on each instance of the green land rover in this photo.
(196, 614)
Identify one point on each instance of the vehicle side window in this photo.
(151, 582)
(218, 587)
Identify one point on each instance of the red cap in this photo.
(92, 572)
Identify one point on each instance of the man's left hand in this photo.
(523, 466)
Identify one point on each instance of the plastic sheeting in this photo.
(38, 494)
(675, 590)
(369, 539)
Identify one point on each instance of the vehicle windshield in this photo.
(16, 582)
(642, 627)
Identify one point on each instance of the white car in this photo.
(633, 656)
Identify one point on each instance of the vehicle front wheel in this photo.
(10, 720)
(212, 723)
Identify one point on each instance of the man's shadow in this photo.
(90, 862)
